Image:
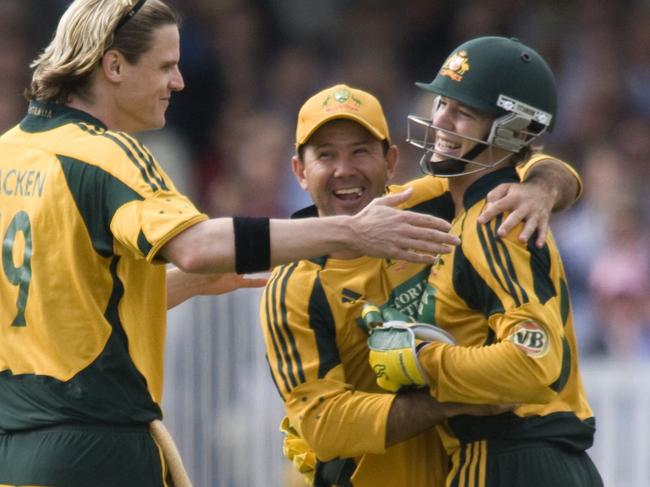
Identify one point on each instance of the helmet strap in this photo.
(451, 166)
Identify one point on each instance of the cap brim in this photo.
(426, 86)
(338, 116)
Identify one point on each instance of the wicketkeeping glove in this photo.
(394, 348)
(298, 451)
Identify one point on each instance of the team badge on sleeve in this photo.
(531, 338)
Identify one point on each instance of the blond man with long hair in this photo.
(87, 213)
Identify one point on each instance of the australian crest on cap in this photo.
(344, 98)
(455, 66)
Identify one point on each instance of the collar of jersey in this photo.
(43, 116)
(482, 186)
(307, 212)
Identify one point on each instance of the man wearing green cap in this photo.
(311, 311)
(504, 302)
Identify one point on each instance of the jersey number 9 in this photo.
(22, 275)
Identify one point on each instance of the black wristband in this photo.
(252, 244)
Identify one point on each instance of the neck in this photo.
(93, 107)
(458, 185)
(98, 103)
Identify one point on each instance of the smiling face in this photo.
(458, 125)
(344, 167)
(145, 87)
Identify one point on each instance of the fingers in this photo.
(428, 240)
(529, 228)
(542, 232)
(526, 203)
(424, 234)
(498, 192)
(257, 282)
(511, 221)
(385, 232)
(496, 203)
(419, 220)
(534, 222)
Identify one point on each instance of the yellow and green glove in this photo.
(394, 344)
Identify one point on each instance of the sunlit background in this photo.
(248, 67)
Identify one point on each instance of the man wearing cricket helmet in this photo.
(504, 302)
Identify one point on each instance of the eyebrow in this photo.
(354, 143)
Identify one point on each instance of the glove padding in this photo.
(394, 347)
(298, 451)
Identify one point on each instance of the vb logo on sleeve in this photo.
(531, 338)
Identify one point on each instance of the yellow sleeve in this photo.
(522, 169)
(338, 421)
(498, 373)
(300, 339)
(424, 189)
(144, 226)
(526, 357)
(147, 211)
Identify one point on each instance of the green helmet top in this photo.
(498, 75)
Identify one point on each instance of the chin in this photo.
(160, 123)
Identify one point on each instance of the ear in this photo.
(112, 65)
(392, 157)
(298, 168)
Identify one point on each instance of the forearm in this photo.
(556, 179)
(307, 238)
(412, 413)
(378, 231)
(209, 246)
(178, 288)
(206, 247)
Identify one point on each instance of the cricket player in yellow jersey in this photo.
(311, 309)
(86, 218)
(506, 303)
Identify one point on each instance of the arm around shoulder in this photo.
(557, 178)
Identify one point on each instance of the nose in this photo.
(442, 117)
(343, 167)
(176, 82)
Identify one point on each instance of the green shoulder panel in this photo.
(98, 196)
(472, 288)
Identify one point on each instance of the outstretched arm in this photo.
(378, 231)
(549, 185)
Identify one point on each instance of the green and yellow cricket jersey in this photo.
(317, 352)
(83, 213)
(507, 304)
(316, 348)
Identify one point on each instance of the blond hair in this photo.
(85, 32)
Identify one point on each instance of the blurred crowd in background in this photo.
(249, 65)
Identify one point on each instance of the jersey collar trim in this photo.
(307, 212)
(479, 189)
(43, 116)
